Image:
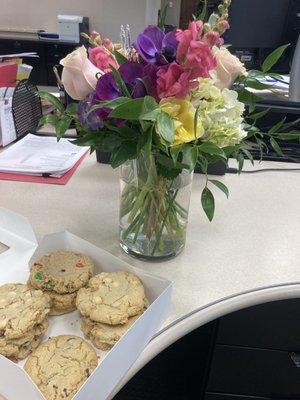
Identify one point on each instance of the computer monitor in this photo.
(257, 23)
(257, 27)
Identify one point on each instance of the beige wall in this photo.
(105, 15)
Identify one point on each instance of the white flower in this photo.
(79, 75)
(229, 67)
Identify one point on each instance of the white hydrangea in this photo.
(220, 112)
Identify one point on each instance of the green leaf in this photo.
(240, 159)
(248, 155)
(119, 57)
(135, 109)
(49, 119)
(212, 149)
(130, 110)
(162, 16)
(255, 84)
(203, 12)
(258, 115)
(52, 100)
(276, 127)
(127, 151)
(276, 147)
(120, 82)
(174, 151)
(272, 58)
(165, 127)
(150, 109)
(110, 103)
(190, 156)
(247, 97)
(196, 121)
(72, 109)
(292, 135)
(62, 126)
(221, 186)
(208, 203)
(148, 143)
(110, 142)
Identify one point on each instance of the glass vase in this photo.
(153, 209)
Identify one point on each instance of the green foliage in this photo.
(276, 147)
(162, 16)
(273, 58)
(52, 100)
(208, 203)
(165, 127)
(221, 186)
(119, 57)
(62, 126)
(120, 82)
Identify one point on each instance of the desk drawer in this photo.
(274, 325)
(254, 372)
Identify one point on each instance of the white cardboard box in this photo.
(17, 234)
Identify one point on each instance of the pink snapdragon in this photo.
(213, 38)
(174, 81)
(108, 44)
(185, 37)
(199, 60)
(102, 58)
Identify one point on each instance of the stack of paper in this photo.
(42, 156)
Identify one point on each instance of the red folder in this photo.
(40, 179)
(8, 74)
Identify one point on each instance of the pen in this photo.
(59, 82)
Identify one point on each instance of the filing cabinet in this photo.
(257, 354)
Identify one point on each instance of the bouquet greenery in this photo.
(161, 106)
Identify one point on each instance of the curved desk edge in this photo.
(204, 315)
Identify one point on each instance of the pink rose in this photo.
(79, 75)
(174, 81)
(199, 59)
(108, 44)
(102, 58)
(213, 38)
(185, 37)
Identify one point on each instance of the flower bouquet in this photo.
(161, 106)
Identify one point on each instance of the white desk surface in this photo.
(249, 254)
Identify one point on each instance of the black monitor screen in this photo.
(258, 23)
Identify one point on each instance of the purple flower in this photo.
(156, 47)
(93, 119)
(108, 89)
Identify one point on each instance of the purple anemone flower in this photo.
(108, 89)
(156, 47)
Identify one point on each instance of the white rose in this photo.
(228, 68)
(79, 75)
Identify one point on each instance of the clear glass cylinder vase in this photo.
(153, 209)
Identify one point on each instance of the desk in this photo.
(248, 255)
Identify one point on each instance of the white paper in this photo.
(7, 124)
(114, 363)
(37, 155)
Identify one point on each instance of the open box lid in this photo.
(18, 238)
(16, 233)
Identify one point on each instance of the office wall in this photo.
(105, 15)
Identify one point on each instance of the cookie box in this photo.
(18, 248)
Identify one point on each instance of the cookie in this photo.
(62, 303)
(104, 336)
(61, 365)
(21, 308)
(62, 272)
(20, 348)
(112, 298)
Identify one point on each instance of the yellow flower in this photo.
(183, 115)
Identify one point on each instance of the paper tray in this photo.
(17, 234)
